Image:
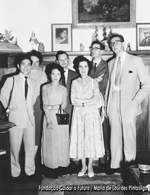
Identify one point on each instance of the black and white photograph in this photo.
(61, 37)
(143, 36)
(75, 97)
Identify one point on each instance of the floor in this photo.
(29, 186)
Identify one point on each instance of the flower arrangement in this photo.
(8, 38)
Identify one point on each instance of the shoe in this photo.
(114, 171)
(91, 174)
(81, 173)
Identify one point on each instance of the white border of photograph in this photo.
(65, 45)
(140, 28)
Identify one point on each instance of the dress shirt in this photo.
(23, 80)
(66, 76)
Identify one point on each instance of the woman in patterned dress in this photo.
(55, 138)
(86, 126)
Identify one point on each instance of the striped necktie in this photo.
(118, 72)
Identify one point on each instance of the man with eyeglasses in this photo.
(100, 73)
(146, 40)
(128, 85)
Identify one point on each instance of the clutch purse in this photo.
(62, 118)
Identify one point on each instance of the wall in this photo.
(25, 16)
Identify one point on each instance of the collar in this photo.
(122, 56)
(22, 76)
(96, 62)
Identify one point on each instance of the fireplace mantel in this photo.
(8, 58)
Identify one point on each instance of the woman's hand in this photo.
(49, 125)
(98, 79)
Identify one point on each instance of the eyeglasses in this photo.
(94, 48)
(115, 43)
(146, 32)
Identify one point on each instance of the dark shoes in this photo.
(114, 171)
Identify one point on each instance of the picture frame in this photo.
(61, 37)
(88, 14)
(143, 36)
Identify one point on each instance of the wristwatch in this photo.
(82, 104)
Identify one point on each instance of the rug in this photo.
(73, 185)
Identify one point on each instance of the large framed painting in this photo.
(61, 37)
(114, 13)
(143, 36)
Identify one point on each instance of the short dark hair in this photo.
(79, 59)
(37, 54)
(115, 35)
(60, 52)
(102, 46)
(20, 57)
(51, 67)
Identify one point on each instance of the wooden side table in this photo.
(139, 179)
(5, 168)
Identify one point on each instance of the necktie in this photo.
(118, 72)
(95, 67)
(26, 87)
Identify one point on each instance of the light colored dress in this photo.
(86, 127)
(55, 141)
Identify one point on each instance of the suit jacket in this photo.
(102, 68)
(133, 74)
(145, 42)
(71, 76)
(21, 110)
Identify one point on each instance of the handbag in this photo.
(7, 110)
(62, 118)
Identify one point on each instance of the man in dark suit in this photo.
(63, 59)
(100, 73)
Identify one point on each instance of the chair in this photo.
(5, 169)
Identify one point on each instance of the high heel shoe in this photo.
(81, 173)
(91, 174)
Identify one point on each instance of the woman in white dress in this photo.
(55, 138)
(86, 126)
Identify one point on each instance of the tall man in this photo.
(100, 73)
(21, 113)
(128, 85)
(63, 59)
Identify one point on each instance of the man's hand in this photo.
(98, 79)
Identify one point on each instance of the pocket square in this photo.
(130, 71)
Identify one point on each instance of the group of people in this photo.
(102, 99)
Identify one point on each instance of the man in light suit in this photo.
(63, 59)
(128, 85)
(21, 114)
(100, 73)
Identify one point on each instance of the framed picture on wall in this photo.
(61, 37)
(114, 13)
(143, 36)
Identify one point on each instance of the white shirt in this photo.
(66, 75)
(96, 62)
(23, 80)
(122, 59)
